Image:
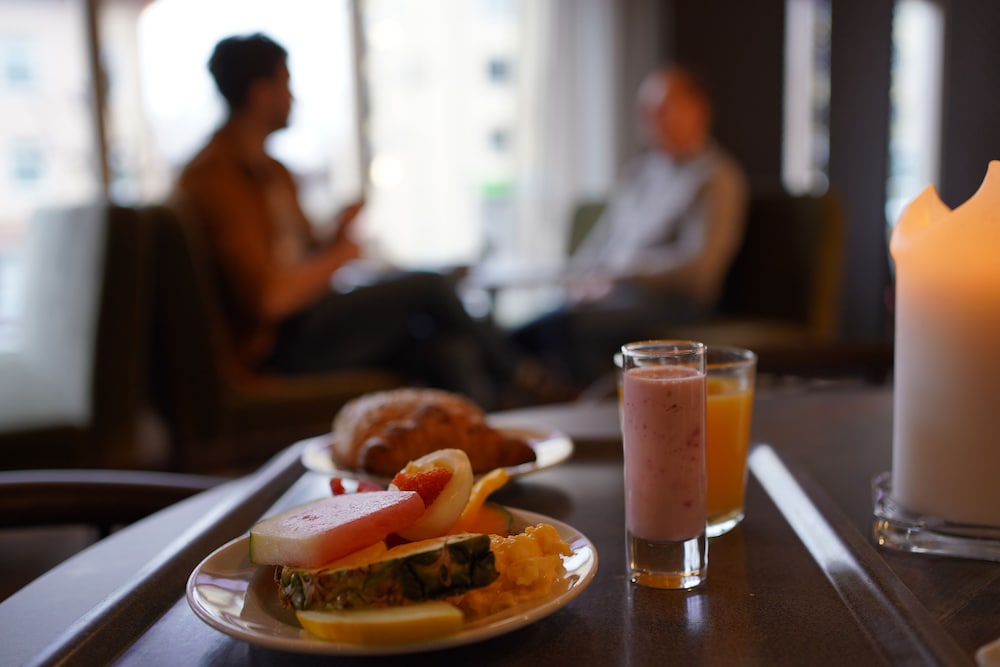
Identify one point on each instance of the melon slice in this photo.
(324, 530)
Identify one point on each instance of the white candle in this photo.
(946, 424)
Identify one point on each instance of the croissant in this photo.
(381, 432)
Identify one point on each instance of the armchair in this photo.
(221, 417)
(71, 389)
(782, 295)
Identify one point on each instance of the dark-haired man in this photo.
(275, 274)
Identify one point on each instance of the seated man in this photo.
(274, 275)
(660, 252)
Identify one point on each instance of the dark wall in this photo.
(740, 46)
(860, 68)
(971, 114)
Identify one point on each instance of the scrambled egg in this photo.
(529, 565)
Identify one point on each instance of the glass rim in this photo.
(647, 349)
(740, 356)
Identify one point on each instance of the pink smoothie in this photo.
(664, 436)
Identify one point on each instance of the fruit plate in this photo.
(238, 598)
(551, 448)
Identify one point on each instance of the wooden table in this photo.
(800, 581)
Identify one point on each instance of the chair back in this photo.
(48, 373)
(189, 341)
(585, 216)
(220, 414)
(72, 390)
(789, 265)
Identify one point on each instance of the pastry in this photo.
(383, 431)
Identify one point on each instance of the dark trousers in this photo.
(412, 322)
(578, 343)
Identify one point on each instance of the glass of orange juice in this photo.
(731, 373)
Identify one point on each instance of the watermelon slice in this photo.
(324, 530)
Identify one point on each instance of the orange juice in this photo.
(729, 407)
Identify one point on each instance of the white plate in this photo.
(240, 599)
(551, 448)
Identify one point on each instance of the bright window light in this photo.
(915, 128)
(806, 132)
(178, 102)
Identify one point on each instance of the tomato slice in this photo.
(337, 486)
(427, 483)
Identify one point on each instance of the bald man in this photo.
(661, 251)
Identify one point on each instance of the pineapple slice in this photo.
(426, 570)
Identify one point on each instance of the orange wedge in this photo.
(481, 490)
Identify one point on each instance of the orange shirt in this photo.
(248, 214)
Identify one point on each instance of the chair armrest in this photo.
(102, 498)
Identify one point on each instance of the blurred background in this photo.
(474, 126)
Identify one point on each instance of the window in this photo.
(163, 105)
(499, 71)
(500, 139)
(442, 102)
(45, 84)
(26, 166)
(915, 97)
(806, 140)
(447, 115)
(18, 64)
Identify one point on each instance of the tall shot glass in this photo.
(663, 430)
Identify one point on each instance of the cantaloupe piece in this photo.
(492, 519)
(481, 490)
(390, 625)
(319, 532)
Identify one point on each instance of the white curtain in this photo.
(575, 119)
(568, 115)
